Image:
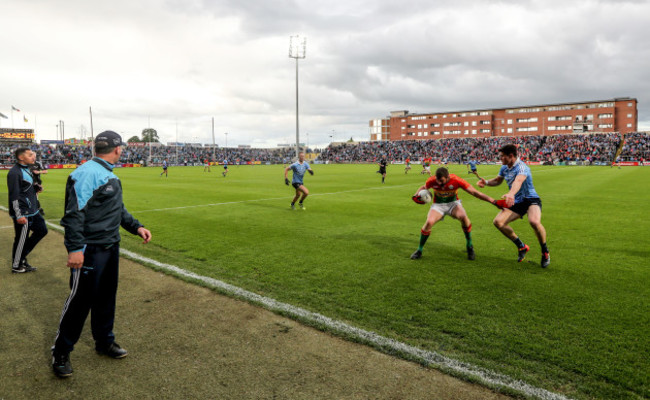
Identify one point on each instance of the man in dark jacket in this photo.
(24, 210)
(94, 212)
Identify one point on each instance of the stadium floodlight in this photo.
(297, 50)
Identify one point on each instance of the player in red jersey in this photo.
(426, 166)
(408, 165)
(446, 202)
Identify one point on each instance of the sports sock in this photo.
(518, 242)
(293, 203)
(544, 248)
(468, 235)
(382, 179)
(423, 239)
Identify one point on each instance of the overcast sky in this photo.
(172, 63)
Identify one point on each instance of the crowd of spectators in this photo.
(590, 148)
(182, 155)
(597, 147)
(636, 147)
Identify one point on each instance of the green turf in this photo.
(579, 327)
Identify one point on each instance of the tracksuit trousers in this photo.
(93, 289)
(25, 243)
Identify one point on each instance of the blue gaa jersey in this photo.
(299, 171)
(472, 165)
(527, 190)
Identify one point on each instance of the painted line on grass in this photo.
(6, 227)
(387, 345)
(267, 199)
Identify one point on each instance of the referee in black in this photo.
(24, 209)
(94, 212)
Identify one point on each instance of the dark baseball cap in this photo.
(108, 139)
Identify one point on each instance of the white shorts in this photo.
(427, 168)
(445, 208)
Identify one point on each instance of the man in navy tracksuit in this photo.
(24, 209)
(94, 212)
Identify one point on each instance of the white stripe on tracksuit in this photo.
(76, 273)
(19, 248)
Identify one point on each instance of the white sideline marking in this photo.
(6, 227)
(430, 358)
(271, 198)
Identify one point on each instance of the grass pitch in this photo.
(579, 327)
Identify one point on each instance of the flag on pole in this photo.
(3, 116)
(15, 109)
(25, 118)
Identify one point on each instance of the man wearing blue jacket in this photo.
(94, 212)
(24, 209)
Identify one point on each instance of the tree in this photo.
(150, 135)
(133, 139)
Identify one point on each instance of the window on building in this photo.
(605, 115)
(474, 123)
(629, 125)
(629, 115)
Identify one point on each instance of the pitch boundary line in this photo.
(267, 199)
(386, 345)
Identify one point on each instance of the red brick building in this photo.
(602, 116)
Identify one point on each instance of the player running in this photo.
(164, 166)
(206, 165)
(522, 199)
(225, 168)
(299, 168)
(471, 168)
(382, 168)
(426, 166)
(408, 165)
(446, 202)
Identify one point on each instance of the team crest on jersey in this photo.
(451, 186)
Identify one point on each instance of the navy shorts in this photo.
(296, 184)
(522, 208)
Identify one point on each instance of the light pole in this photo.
(226, 133)
(297, 50)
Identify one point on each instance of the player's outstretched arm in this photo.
(479, 195)
(496, 181)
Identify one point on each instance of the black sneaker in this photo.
(27, 266)
(417, 255)
(23, 268)
(470, 253)
(546, 260)
(61, 365)
(114, 351)
(522, 253)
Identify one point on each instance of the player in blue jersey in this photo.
(471, 168)
(164, 165)
(522, 199)
(299, 168)
(225, 168)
